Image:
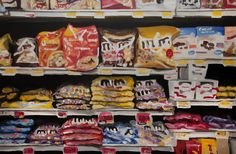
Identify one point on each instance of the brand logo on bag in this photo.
(156, 42)
(120, 45)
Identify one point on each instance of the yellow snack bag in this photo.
(27, 105)
(37, 94)
(209, 146)
(112, 99)
(101, 105)
(154, 47)
(5, 55)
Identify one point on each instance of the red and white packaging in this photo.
(230, 3)
(193, 147)
(206, 90)
(118, 4)
(81, 48)
(35, 4)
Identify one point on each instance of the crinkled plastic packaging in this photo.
(5, 54)
(35, 4)
(75, 4)
(40, 94)
(118, 4)
(9, 94)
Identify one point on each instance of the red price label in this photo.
(143, 118)
(105, 118)
(62, 114)
(108, 151)
(28, 151)
(19, 114)
(146, 150)
(70, 150)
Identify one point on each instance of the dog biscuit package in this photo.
(118, 4)
(185, 44)
(50, 49)
(156, 4)
(189, 4)
(230, 41)
(210, 41)
(5, 54)
(35, 4)
(75, 4)
(81, 48)
(117, 47)
(154, 47)
(212, 4)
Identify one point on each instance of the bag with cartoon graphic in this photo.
(81, 48)
(154, 47)
(35, 4)
(50, 49)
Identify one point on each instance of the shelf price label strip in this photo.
(138, 14)
(108, 151)
(183, 105)
(182, 136)
(9, 72)
(145, 150)
(225, 104)
(216, 14)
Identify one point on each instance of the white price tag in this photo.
(183, 105)
(182, 136)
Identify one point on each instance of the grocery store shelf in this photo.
(98, 14)
(45, 147)
(213, 13)
(41, 71)
(65, 113)
(221, 103)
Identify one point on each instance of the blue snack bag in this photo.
(14, 129)
(21, 122)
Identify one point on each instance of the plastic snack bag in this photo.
(5, 54)
(50, 49)
(35, 4)
(229, 3)
(156, 4)
(75, 4)
(117, 47)
(154, 47)
(9, 94)
(212, 4)
(27, 105)
(10, 3)
(230, 42)
(40, 94)
(81, 48)
(26, 53)
(118, 4)
(209, 146)
(189, 4)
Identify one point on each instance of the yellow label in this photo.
(182, 62)
(183, 105)
(182, 136)
(167, 14)
(73, 73)
(105, 71)
(138, 14)
(9, 71)
(99, 14)
(37, 72)
(71, 14)
(225, 104)
(143, 71)
(199, 61)
(222, 134)
(216, 14)
(229, 62)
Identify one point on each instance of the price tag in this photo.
(216, 14)
(229, 62)
(73, 73)
(70, 150)
(105, 71)
(142, 71)
(222, 135)
(225, 104)
(167, 14)
(138, 14)
(171, 77)
(28, 150)
(37, 72)
(182, 62)
(99, 15)
(61, 114)
(183, 105)
(31, 15)
(146, 150)
(144, 118)
(105, 118)
(9, 72)
(19, 114)
(71, 14)
(199, 62)
(182, 136)
(108, 151)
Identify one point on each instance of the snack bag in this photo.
(118, 4)
(27, 105)
(156, 4)
(26, 53)
(154, 47)
(118, 83)
(185, 44)
(117, 47)
(5, 55)
(75, 4)
(209, 146)
(230, 42)
(210, 42)
(37, 94)
(35, 4)
(210, 4)
(193, 147)
(229, 3)
(81, 48)
(189, 4)
(9, 94)
(10, 3)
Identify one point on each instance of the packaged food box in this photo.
(206, 89)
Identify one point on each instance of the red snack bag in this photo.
(230, 3)
(50, 49)
(193, 147)
(81, 48)
(118, 4)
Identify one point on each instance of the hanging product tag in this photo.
(108, 151)
(146, 150)
(143, 119)
(105, 118)
(70, 150)
(28, 150)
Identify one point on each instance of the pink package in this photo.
(230, 3)
(118, 4)
(230, 42)
(212, 4)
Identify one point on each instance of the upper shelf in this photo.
(135, 13)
